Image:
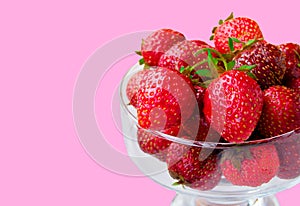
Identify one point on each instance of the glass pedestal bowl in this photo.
(220, 191)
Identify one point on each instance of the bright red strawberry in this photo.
(281, 111)
(293, 84)
(166, 98)
(132, 87)
(157, 43)
(292, 52)
(233, 104)
(269, 61)
(241, 28)
(251, 166)
(289, 156)
(182, 54)
(156, 145)
(193, 167)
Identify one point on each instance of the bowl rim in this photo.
(216, 145)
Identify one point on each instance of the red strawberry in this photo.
(166, 98)
(193, 167)
(157, 43)
(281, 111)
(133, 86)
(269, 61)
(198, 128)
(251, 166)
(200, 91)
(293, 84)
(289, 156)
(182, 54)
(241, 28)
(291, 52)
(233, 104)
(156, 145)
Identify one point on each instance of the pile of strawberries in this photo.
(243, 88)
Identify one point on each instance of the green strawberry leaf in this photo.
(298, 65)
(142, 61)
(221, 21)
(211, 58)
(176, 184)
(252, 75)
(211, 37)
(250, 42)
(236, 40)
(230, 65)
(246, 67)
(138, 53)
(229, 17)
(230, 44)
(181, 70)
(204, 73)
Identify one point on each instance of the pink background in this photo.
(43, 46)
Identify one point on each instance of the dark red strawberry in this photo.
(166, 98)
(198, 128)
(269, 61)
(293, 84)
(132, 87)
(156, 145)
(157, 43)
(200, 91)
(193, 167)
(241, 28)
(289, 156)
(281, 111)
(182, 55)
(233, 104)
(292, 52)
(250, 166)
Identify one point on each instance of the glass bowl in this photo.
(215, 188)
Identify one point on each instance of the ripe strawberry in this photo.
(289, 156)
(269, 61)
(200, 91)
(292, 62)
(156, 145)
(193, 167)
(182, 55)
(133, 87)
(241, 28)
(281, 111)
(293, 84)
(233, 104)
(198, 128)
(157, 43)
(251, 166)
(165, 98)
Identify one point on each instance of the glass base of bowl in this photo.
(186, 200)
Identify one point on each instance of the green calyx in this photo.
(181, 182)
(214, 64)
(245, 45)
(236, 157)
(214, 61)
